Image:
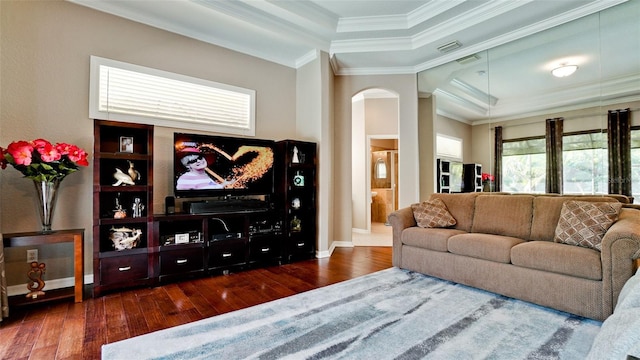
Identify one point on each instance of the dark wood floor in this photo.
(77, 331)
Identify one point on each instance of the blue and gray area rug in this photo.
(391, 314)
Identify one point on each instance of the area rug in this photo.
(390, 314)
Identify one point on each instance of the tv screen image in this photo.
(207, 165)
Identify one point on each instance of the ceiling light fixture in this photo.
(564, 70)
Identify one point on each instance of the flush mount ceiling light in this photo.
(564, 70)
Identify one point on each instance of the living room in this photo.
(46, 47)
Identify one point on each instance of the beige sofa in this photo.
(505, 244)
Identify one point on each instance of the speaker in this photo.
(170, 205)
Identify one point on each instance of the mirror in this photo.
(512, 85)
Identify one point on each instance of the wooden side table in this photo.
(57, 236)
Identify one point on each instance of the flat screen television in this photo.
(211, 166)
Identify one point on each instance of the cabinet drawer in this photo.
(299, 246)
(227, 252)
(123, 269)
(264, 247)
(181, 261)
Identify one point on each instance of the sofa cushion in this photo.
(546, 213)
(432, 213)
(460, 206)
(483, 246)
(584, 223)
(508, 215)
(558, 258)
(432, 239)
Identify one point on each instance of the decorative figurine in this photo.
(36, 284)
(122, 178)
(137, 207)
(295, 158)
(119, 212)
(295, 203)
(133, 173)
(124, 238)
(296, 224)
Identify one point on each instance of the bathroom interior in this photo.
(384, 179)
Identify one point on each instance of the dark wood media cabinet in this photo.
(213, 243)
(170, 247)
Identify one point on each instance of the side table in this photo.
(52, 237)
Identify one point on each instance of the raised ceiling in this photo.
(372, 37)
(362, 37)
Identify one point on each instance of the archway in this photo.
(375, 124)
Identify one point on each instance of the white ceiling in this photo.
(362, 37)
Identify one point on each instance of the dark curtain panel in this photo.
(554, 156)
(497, 143)
(619, 136)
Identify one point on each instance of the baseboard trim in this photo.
(22, 289)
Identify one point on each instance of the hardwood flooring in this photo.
(66, 330)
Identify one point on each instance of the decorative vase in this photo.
(489, 186)
(47, 192)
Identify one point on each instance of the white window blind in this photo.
(448, 147)
(121, 91)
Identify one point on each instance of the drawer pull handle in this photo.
(300, 244)
(226, 255)
(126, 268)
(265, 249)
(181, 261)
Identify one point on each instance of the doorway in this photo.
(375, 123)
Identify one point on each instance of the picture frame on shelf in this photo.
(126, 144)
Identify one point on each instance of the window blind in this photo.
(132, 91)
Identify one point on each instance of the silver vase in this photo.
(47, 191)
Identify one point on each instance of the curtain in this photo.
(497, 143)
(4, 300)
(554, 130)
(619, 136)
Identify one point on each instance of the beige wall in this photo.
(405, 86)
(44, 69)
(314, 109)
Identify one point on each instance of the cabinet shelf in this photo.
(126, 252)
(296, 185)
(130, 188)
(113, 268)
(121, 222)
(121, 156)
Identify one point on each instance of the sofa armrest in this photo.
(400, 220)
(620, 247)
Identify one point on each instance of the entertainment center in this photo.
(246, 203)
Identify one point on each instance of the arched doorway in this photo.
(375, 123)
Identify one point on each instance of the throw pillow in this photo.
(432, 214)
(584, 223)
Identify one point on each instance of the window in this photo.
(585, 163)
(448, 147)
(524, 165)
(635, 164)
(126, 92)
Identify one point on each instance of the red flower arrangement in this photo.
(487, 178)
(43, 161)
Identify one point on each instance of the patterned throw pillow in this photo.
(432, 214)
(584, 223)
